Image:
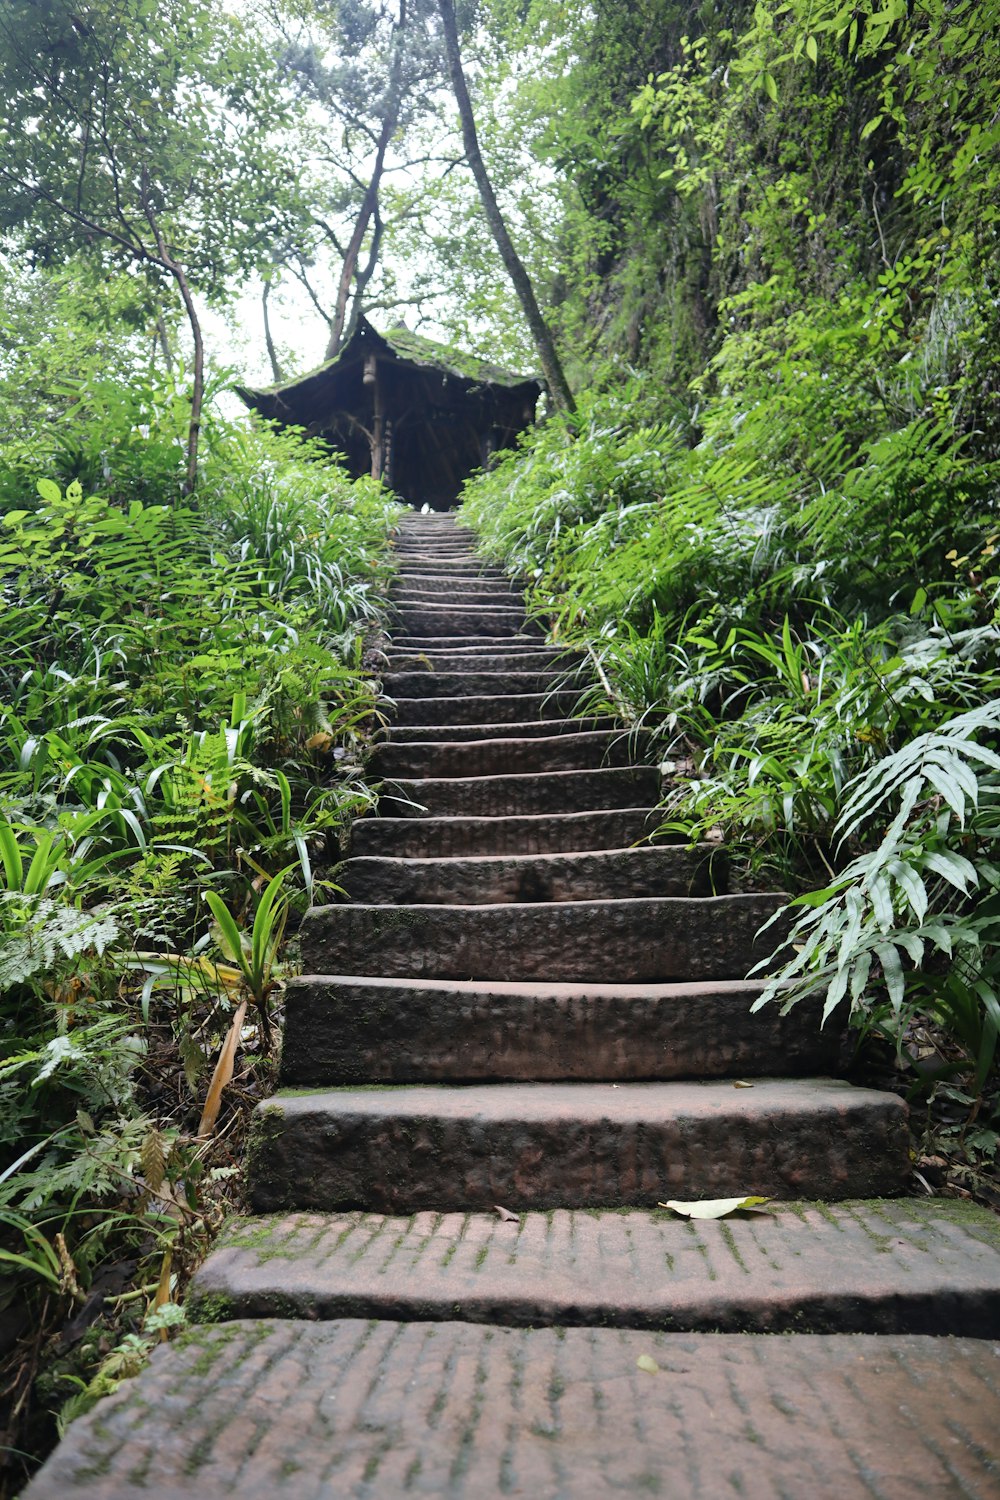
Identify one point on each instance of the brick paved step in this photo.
(555, 833)
(437, 734)
(471, 683)
(412, 1147)
(608, 875)
(520, 795)
(508, 708)
(347, 1030)
(929, 1267)
(649, 938)
(504, 755)
(355, 1410)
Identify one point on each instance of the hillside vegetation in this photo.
(774, 522)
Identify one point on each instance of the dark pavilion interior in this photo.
(398, 406)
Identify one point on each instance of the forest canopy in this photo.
(754, 249)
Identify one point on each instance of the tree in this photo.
(559, 390)
(142, 131)
(367, 72)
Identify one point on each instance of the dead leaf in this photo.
(648, 1363)
(741, 1083)
(711, 1208)
(163, 1287)
(506, 1217)
(320, 741)
(223, 1071)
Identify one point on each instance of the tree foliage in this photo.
(142, 133)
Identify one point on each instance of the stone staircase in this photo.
(525, 1029)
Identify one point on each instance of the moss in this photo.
(218, 1308)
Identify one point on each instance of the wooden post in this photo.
(371, 377)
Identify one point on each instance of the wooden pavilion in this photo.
(407, 410)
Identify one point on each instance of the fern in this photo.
(920, 913)
(39, 935)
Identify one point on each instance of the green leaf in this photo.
(892, 971)
(769, 86)
(811, 50)
(49, 491)
(230, 932)
(870, 128)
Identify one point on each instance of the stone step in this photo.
(468, 620)
(473, 644)
(351, 1030)
(446, 574)
(648, 938)
(438, 734)
(552, 833)
(507, 708)
(507, 755)
(470, 683)
(413, 1147)
(467, 565)
(412, 596)
(283, 1408)
(795, 1268)
(434, 586)
(520, 795)
(519, 659)
(608, 875)
(417, 550)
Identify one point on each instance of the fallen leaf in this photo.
(711, 1208)
(741, 1083)
(223, 1072)
(506, 1217)
(648, 1363)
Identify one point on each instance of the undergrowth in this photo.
(808, 634)
(183, 716)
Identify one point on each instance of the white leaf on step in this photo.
(711, 1208)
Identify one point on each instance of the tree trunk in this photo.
(198, 381)
(174, 268)
(559, 390)
(272, 353)
(369, 203)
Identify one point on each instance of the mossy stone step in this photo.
(546, 833)
(465, 619)
(658, 938)
(470, 682)
(607, 875)
(518, 659)
(520, 794)
(508, 755)
(493, 708)
(409, 1148)
(471, 644)
(350, 1030)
